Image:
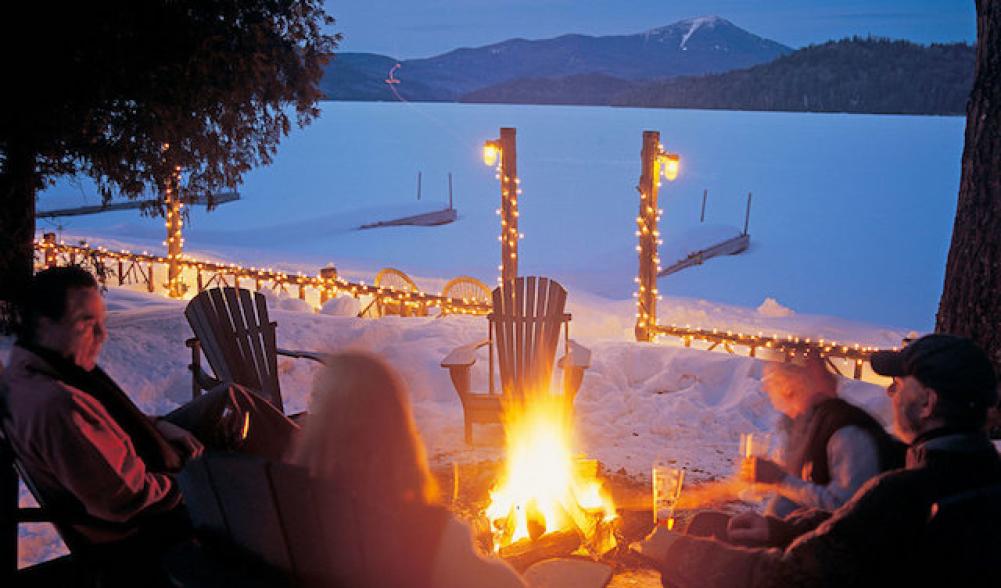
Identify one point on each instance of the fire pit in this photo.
(548, 502)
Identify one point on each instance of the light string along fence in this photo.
(127, 268)
(656, 162)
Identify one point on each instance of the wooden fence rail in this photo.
(145, 268)
(790, 346)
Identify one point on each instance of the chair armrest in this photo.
(577, 356)
(463, 356)
(191, 343)
(204, 381)
(313, 355)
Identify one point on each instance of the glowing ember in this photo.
(544, 488)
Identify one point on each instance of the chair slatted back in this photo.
(237, 338)
(320, 552)
(243, 488)
(525, 329)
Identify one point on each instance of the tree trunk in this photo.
(17, 227)
(971, 296)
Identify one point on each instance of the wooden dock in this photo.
(217, 199)
(427, 219)
(732, 246)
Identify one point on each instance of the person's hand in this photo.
(747, 527)
(656, 544)
(761, 471)
(182, 438)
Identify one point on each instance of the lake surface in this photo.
(851, 214)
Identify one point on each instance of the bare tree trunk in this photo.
(971, 297)
(17, 228)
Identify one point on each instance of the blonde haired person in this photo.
(361, 436)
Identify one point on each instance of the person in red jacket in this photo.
(86, 447)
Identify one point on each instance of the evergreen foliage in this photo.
(102, 88)
(858, 75)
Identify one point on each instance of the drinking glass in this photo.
(755, 445)
(667, 483)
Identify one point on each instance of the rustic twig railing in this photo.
(790, 346)
(144, 268)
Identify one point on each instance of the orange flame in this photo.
(544, 488)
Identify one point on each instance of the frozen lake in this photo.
(851, 214)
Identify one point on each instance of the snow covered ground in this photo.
(850, 227)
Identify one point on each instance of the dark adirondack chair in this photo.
(232, 329)
(270, 523)
(524, 331)
(87, 564)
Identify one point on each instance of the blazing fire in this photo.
(544, 488)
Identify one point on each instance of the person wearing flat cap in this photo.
(937, 521)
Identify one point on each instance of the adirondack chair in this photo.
(232, 329)
(524, 331)
(87, 564)
(466, 288)
(282, 525)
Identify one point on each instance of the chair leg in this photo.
(8, 522)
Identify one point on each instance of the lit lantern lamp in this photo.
(491, 149)
(669, 165)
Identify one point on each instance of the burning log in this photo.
(525, 552)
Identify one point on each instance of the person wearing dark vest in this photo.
(86, 447)
(362, 439)
(896, 530)
(832, 446)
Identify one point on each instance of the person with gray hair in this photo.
(935, 522)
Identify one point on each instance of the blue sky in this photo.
(420, 28)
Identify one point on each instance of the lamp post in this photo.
(502, 152)
(655, 161)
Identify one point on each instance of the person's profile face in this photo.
(907, 397)
(81, 333)
(779, 387)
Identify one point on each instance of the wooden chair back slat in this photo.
(314, 555)
(526, 322)
(237, 338)
(248, 505)
(201, 500)
(228, 325)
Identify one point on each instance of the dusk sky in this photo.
(421, 28)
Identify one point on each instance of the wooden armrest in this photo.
(192, 342)
(204, 381)
(577, 356)
(463, 356)
(313, 355)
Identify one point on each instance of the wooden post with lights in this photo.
(654, 161)
(503, 152)
(175, 243)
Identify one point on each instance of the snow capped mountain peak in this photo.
(688, 25)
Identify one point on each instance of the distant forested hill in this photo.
(861, 75)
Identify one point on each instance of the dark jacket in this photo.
(882, 537)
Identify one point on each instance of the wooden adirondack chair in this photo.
(524, 330)
(232, 329)
(88, 563)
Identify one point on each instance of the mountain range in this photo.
(705, 62)
(689, 47)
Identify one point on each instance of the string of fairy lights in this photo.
(502, 153)
(657, 162)
(328, 286)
